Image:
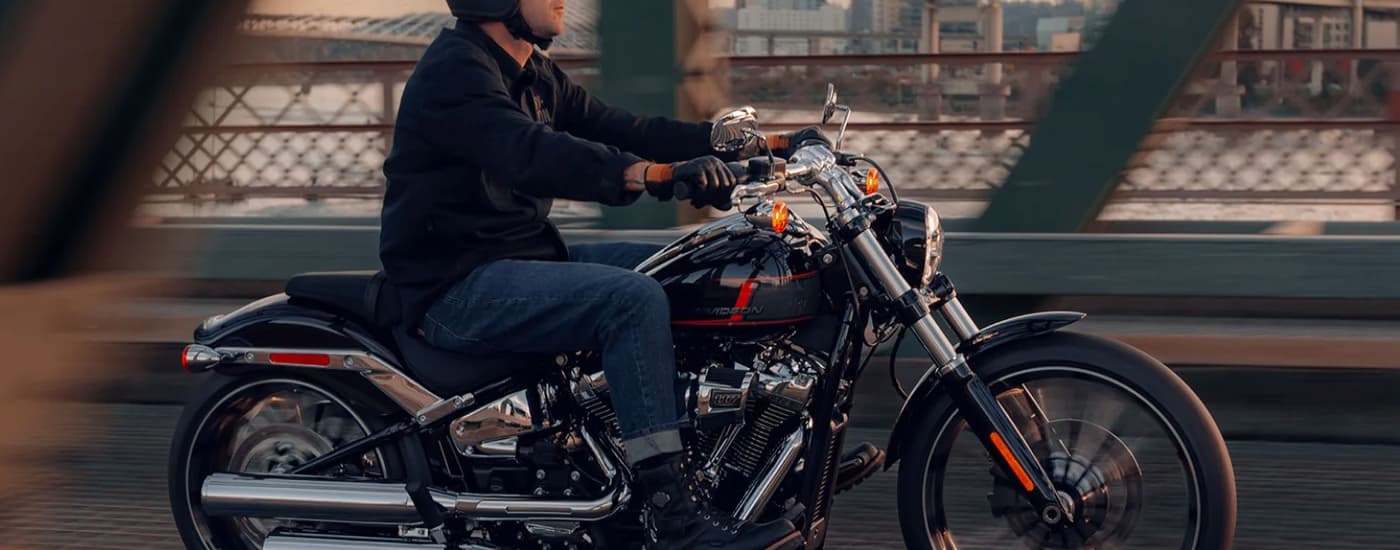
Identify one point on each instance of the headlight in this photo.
(915, 234)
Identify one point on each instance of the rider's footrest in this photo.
(857, 465)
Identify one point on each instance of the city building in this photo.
(750, 22)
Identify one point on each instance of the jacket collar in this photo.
(513, 75)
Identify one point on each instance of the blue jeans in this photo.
(595, 301)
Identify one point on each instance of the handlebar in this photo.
(813, 165)
(683, 191)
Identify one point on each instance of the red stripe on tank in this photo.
(729, 323)
(745, 294)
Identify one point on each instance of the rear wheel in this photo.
(264, 423)
(1132, 452)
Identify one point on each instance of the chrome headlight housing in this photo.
(915, 235)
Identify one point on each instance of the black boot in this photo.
(678, 519)
(858, 464)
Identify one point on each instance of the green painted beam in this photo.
(1100, 113)
(638, 72)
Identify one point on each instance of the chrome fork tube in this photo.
(977, 403)
(958, 318)
(925, 329)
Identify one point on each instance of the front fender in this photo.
(1005, 331)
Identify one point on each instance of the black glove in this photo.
(784, 145)
(705, 181)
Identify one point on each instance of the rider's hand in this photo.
(784, 145)
(705, 181)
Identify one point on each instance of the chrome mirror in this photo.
(829, 108)
(733, 130)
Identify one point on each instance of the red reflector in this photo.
(307, 359)
(185, 359)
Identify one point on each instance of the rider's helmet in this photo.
(505, 11)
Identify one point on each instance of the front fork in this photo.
(984, 415)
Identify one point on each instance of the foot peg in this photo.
(857, 465)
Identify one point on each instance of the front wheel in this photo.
(1132, 452)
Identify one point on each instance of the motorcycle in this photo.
(325, 423)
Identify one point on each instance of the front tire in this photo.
(1105, 487)
(267, 422)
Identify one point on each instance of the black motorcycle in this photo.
(325, 424)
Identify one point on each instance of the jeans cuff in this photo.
(652, 445)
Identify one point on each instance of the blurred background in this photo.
(1215, 181)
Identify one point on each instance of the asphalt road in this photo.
(108, 491)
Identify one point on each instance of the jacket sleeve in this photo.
(656, 138)
(467, 111)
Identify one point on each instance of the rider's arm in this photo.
(657, 138)
(467, 111)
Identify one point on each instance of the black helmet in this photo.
(506, 11)
(483, 10)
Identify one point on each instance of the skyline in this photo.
(379, 8)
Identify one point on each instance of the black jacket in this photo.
(481, 146)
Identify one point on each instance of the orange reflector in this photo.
(872, 181)
(780, 216)
(306, 359)
(1016, 468)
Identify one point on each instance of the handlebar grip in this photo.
(681, 190)
(739, 170)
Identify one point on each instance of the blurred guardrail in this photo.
(1252, 126)
(1276, 301)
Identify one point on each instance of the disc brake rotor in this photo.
(274, 449)
(1099, 483)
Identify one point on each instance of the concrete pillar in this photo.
(994, 92)
(930, 95)
(1317, 44)
(1393, 113)
(995, 21)
(1358, 36)
(1358, 24)
(929, 40)
(1227, 99)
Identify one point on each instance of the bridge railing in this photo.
(1252, 126)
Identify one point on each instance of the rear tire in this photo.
(1114, 365)
(200, 444)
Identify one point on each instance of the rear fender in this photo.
(277, 333)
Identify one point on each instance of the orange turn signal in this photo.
(872, 181)
(780, 217)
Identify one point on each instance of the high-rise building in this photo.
(861, 16)
(752, 21)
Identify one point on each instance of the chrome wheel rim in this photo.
(1118, 462)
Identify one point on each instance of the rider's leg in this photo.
(550, 307)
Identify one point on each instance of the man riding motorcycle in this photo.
(488, 132)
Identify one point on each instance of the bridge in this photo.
(1246, 234)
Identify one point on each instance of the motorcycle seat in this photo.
(366, 297)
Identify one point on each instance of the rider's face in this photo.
(545, 17)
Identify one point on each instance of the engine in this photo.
(742, 411)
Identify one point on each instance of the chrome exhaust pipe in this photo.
(308, 499)
(368, 502)
(301, 541)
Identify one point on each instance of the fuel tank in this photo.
(736, 273)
